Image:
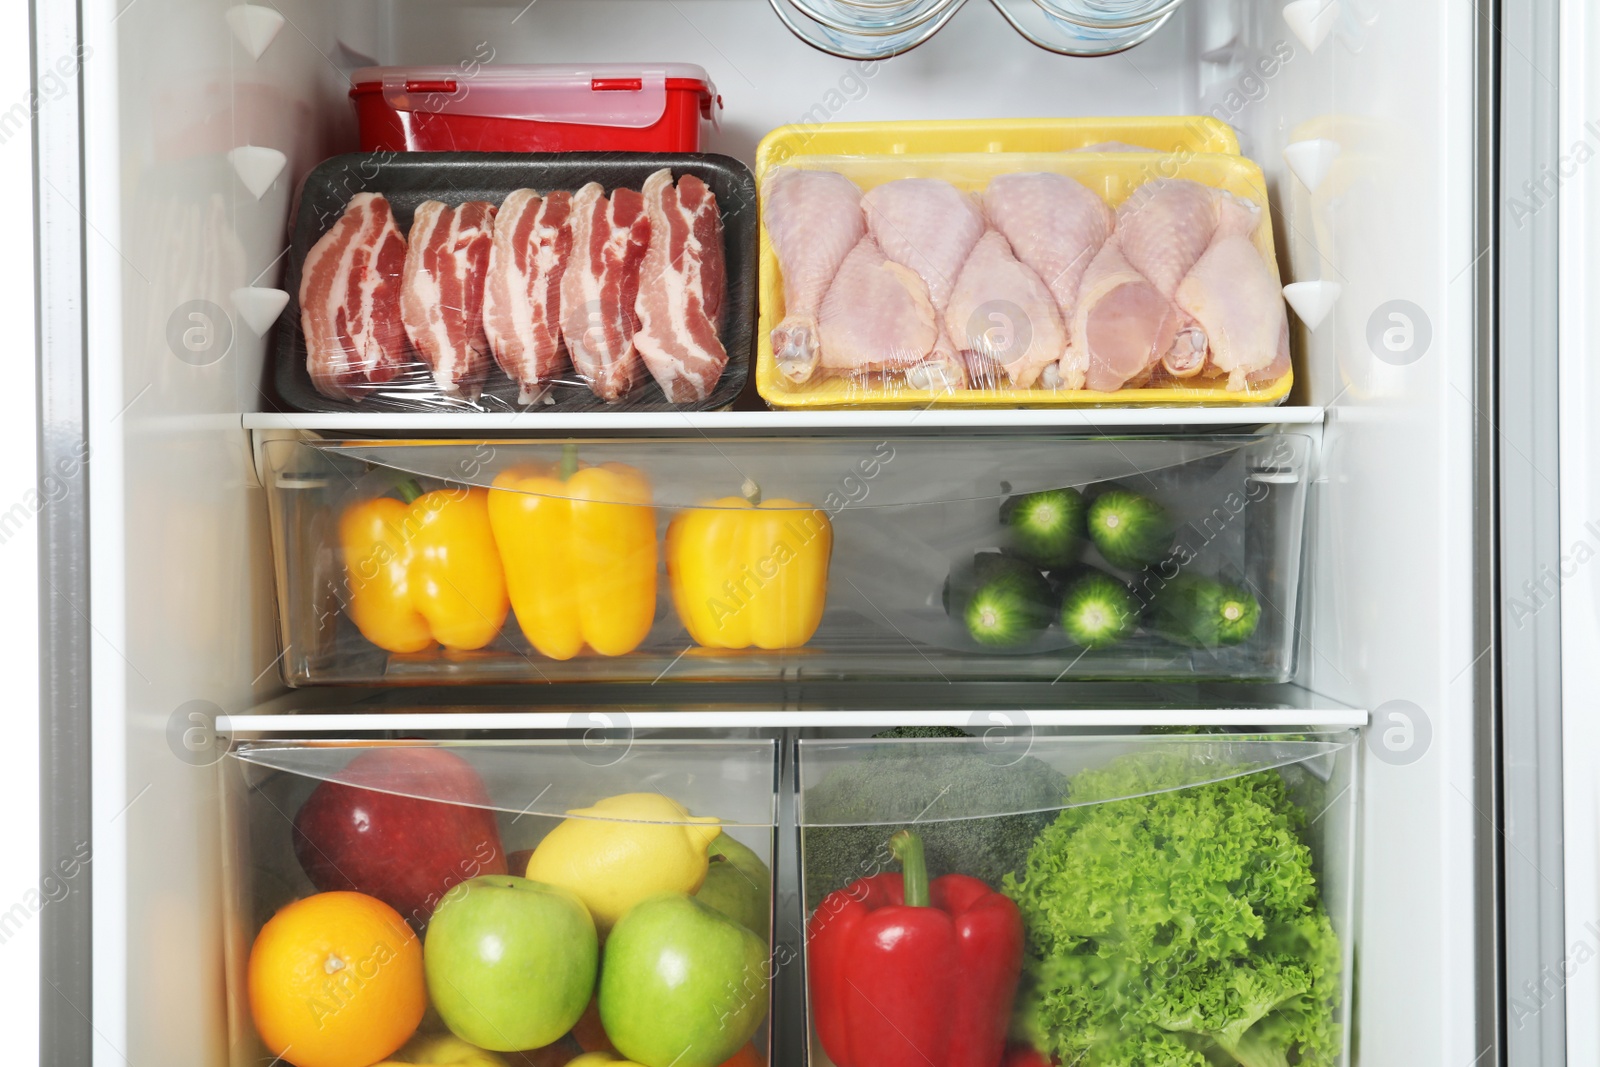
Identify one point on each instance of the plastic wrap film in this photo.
(595, 356)
(966, 279)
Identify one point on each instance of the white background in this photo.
(19, 662)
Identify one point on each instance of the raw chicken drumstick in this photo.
(877, 315)
(1166, 226)
(1237, 308)
(1120, 328)
(1127, 320)
(814, 220)
(1004, 318)
(522, 298)
(931, 227)
(1056, 226)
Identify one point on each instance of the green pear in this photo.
(738, 884)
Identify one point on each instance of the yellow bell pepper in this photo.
(746, 572)
(423, 569)
(579, 547)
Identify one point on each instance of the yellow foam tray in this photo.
(1114, 175)
(1158, 133)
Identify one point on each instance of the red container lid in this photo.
(632, 96)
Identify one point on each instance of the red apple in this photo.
(360, 832)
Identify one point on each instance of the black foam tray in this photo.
(406, 179)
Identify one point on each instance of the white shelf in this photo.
(345, 723)
(1092, 420)
(335, 710)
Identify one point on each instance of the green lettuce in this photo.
(1179, 928)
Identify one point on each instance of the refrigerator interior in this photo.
(1575, 937)
(181, 576)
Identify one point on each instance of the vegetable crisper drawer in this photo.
(419, 901)
(1078, 900)
(1040, 558)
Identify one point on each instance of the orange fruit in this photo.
(336, 980)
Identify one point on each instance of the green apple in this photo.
(510, 963)
(682, 985)
(738, 884)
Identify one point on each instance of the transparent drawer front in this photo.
(499, 903)
(1092, 900)
(749, 559)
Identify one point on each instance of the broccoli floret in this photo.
(1181, 731)
(1178, 921)
(920, 733)
(942, 786)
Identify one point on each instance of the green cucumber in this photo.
(1098, 611)
(1131, 531)
(1204, 612)
(1001, 601)
(1046, 528)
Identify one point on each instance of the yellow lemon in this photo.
(623, 849)
(442, 1050)
(600, 1059)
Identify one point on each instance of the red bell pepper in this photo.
(908, 974)
(1027, 1056)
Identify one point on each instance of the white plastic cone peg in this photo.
(1311, 160)
(259, 308)
(254, 27)
(1312, 300)
(257, 167)
(1312, 20)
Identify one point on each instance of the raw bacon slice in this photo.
(681, 288)
(441, 298)
(350, 300)
(601, 287)
(522, 298)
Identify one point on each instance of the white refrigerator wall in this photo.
(182, 605)
(181, 586)
(1390, 563)
(1579, 976)
(24, 890)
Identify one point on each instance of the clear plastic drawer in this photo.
(700, 559)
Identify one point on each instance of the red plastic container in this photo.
(606, 107)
